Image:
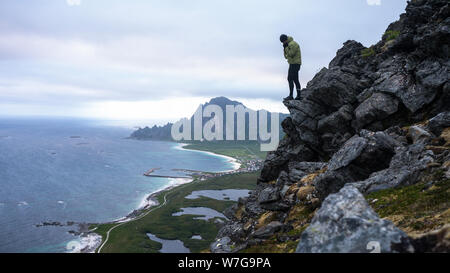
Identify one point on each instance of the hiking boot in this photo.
(298, 97)
(289, 98)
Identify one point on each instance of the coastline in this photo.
(150, 199)
(236, 164)
(89, 240)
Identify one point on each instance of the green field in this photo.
(131, 237)
(245, 150)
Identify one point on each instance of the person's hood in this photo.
(290, 39)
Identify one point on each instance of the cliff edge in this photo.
(369, 129)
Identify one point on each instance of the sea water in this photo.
(78, 170)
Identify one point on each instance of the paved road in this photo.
(137, 218)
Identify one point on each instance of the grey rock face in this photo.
(221, 245)
(276, 206)
(337, 122)
(268, 195)
(335, 87)
(439, 122)
(225, 245)
(297, 170)
(268, 230)
(305, 166)
(347, 224)
(230, 212)
(233, 230)
(404, 82)
(289, 148)
(407, 78)
(349, 152)
(403, 170)
(356, 160)
(378, 107)
(418, 134)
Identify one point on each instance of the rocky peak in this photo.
(353, 125)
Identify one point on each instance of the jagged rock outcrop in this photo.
(360, 156)
(376, 118)
(346, 224)
(401, 81)
(403, 170)
(437, 124)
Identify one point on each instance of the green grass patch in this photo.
(417, 208)
(101, 229)
(131, 237)
(391, 35)
(367, 52)
(238, 149)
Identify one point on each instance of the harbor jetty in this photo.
(149, 173)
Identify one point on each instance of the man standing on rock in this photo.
(293, 55)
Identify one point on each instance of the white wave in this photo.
(62, 203)
(173, 182)
(147, 202)
(22, 203)
(86, 244)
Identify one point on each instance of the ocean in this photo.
(79, 170)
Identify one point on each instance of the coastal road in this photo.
(137, 218)
(140, 216)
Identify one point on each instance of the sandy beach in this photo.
(234, 161)
(90, 241)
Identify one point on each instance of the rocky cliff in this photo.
(375, 123)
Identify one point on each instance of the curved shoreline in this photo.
(232, 160)
(150, 201)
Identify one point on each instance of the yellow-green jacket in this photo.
(292, 52)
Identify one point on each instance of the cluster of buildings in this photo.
(248, 166)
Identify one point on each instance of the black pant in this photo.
(293, 79)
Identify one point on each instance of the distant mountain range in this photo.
(164, 132)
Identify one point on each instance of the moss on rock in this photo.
(416, 209)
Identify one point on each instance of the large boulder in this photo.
(233, 230)
(378, 107)
(268, 195)
(358, 158)
(268, 230)
(298, 170)
(347, 224)
(437, 124)
(337, 122)
(351, 150)
(418, 134)
(221, 245)
(289, 148)
(404, 169)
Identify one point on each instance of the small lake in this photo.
(169, 246)
(223, 195)
(205, 213)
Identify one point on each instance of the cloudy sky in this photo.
(158, 60)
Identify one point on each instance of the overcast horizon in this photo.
(158, 60)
